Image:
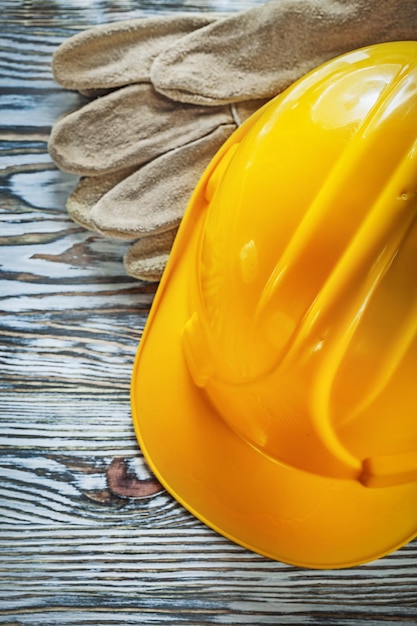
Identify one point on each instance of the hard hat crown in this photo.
(304, 291)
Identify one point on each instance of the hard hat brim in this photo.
(272, 509)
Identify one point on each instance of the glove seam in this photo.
(235, 115)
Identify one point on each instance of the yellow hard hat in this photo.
(274, 392)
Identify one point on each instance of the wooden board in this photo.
(87, 535)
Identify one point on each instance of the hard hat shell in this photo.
(273, 392)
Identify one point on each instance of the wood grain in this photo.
(87, 534)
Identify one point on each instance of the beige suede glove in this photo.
(139, 154)
(174, 89)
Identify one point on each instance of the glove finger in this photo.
(257, 53)
(130, 126)
(146, 258)
(88, 192)
(120, 53)
(153, 198)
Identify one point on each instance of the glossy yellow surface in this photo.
(274, 389)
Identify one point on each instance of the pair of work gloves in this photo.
(166, 92)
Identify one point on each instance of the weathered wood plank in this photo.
(146, 560)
